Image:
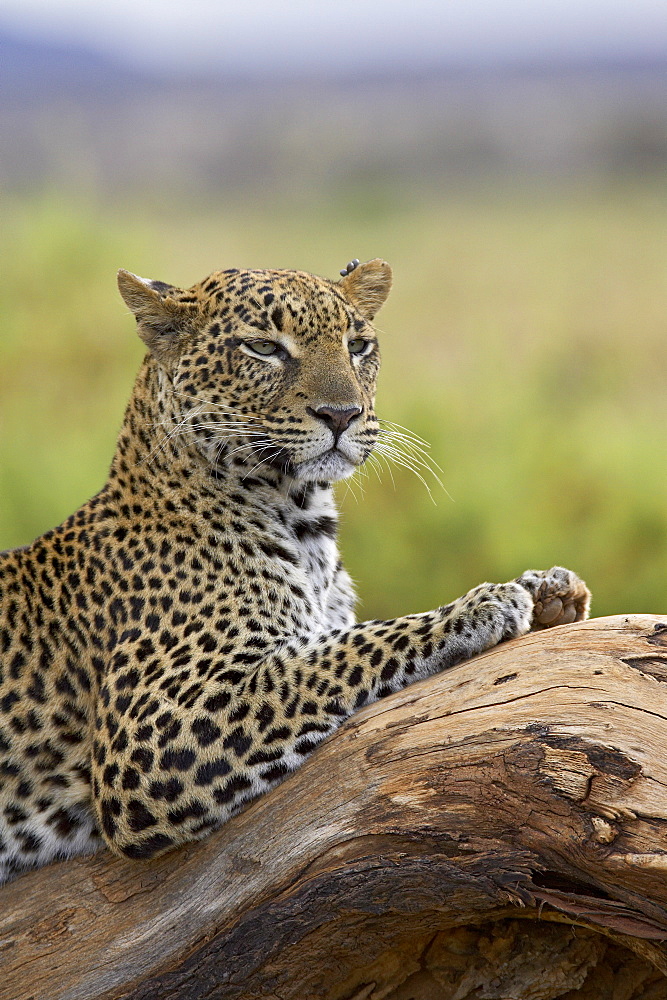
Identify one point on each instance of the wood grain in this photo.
(449, 836)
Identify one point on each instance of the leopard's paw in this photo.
(559, 596)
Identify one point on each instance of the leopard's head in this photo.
(267, 369)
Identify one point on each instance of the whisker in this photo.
(162, 444)
(410, 442)
(215, 430)
(398, 444)
(406, 465)
(413, 465)
(403, 430)
(259, 464)
(215, 405)
(392, 448)
(353, 481)
(376, 465)
(224, 424)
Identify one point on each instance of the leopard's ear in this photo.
(367, 286)
(160, 316)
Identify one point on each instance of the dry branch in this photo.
(443, 844)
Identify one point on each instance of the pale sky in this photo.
(347, 34)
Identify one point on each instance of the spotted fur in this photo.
(187, 637)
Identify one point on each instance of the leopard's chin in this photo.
(328, 467)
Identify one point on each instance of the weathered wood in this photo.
(443, 842)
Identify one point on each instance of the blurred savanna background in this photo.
(509, 160)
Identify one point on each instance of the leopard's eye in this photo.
(358, 345)
(264, 347)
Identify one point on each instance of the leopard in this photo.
(187, 638)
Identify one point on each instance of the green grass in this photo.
(525, 339)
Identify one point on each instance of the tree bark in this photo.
(497, 831)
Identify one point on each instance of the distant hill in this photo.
(71, 117)
(30, 68)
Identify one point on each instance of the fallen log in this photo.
(497, 831)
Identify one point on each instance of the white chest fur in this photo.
(313, 528)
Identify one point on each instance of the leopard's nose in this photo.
(337, 418)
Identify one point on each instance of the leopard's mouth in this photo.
(329, 465)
